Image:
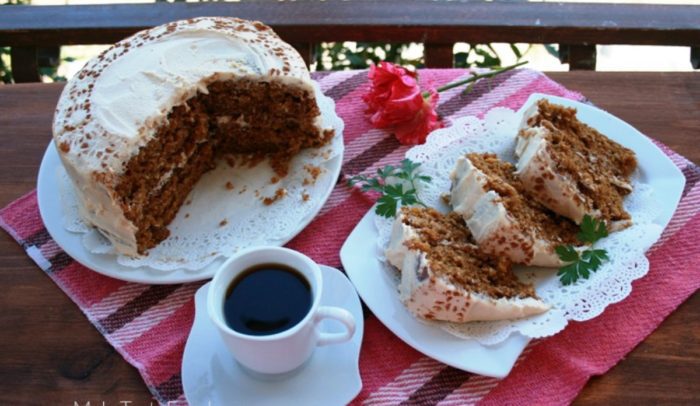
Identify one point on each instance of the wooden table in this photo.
(51, 354)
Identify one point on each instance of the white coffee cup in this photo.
(287, 350)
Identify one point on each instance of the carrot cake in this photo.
(139, 124)
(502, 217)
(445, 276)
(571, 168)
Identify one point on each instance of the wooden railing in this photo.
(33, 31)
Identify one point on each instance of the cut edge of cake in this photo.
(432, 296)
(554, 187)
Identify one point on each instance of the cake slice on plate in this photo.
(501, 215)
(571, 168)
(445, 276)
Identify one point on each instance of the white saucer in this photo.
(210, 375)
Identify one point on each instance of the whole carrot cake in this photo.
(138, 126)
(501, 214)
(445, 276)
(573, 169)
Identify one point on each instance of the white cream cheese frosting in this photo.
(117, 102)
(492, 227)
(433, 297)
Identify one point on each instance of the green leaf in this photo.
(516, 51)
(409, 198)
(409, 166)
(386, 206)
(386, 172)
(552, 50)
(583, 264)
(460, 59)
(395, 191)
(566, 253)
(592, 230)
(568, 274)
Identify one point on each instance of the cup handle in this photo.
(339, 314)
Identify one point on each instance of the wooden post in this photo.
(25, 67)
(579, 57)
(438, 55)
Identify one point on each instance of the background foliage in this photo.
(340, 56)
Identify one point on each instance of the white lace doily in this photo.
(580, 301)
(226, 210)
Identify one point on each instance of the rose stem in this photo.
(476, 77)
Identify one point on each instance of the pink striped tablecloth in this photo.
(149, 324)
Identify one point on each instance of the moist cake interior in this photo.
(452, 253)
(241, 116)
(529, 214)
(600, 167)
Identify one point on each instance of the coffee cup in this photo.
(261, 340)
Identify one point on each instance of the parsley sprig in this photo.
(397, 185)
(580, 265)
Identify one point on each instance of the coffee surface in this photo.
(267, 299)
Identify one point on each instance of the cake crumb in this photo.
(187, 215)
(188, 202)
(274, 179)
(445, 197)
(240, 192)
(305, 197)
(230, 160)
(229, 186)
(279, 193)
(223, 222)
(314, 172)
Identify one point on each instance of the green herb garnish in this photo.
(580, 265)
(397, 185)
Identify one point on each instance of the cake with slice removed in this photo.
(502, 216)
(571, 168)
(445, 276)
(141, 123)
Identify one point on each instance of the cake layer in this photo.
(571, 168)
(444, 275)
(501, 215)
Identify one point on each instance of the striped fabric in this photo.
(148, 325)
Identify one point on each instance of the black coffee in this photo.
(267, 299)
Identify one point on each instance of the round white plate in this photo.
(51, 210)
(210, 375)
(379, 291)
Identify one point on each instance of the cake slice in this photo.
(501, 215)
(571, 168)
(445, 276)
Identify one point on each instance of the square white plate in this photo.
(359, 256)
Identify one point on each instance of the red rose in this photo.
(423, 123)
(395, 101)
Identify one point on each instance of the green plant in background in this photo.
(343, 55)
(484, 56)
(5, 71)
